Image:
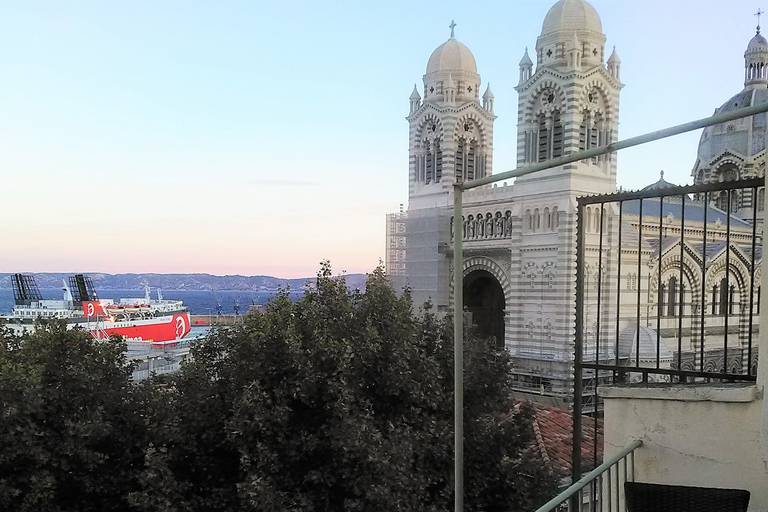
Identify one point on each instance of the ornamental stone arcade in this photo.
(520, 240)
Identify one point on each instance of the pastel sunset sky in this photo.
(234, 137)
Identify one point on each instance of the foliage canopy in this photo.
(342, 401)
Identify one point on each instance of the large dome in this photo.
(452, 56)
(571, 15)
(745, 137)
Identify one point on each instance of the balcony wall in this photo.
(703, 435)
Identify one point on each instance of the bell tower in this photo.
(570, 102)
(451, 132)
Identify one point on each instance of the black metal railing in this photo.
(666, 289)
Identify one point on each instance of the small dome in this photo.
(757, 44)
(648, 340)
(452, 56)
(526, 60)
(614, 58)
(662, 183)
(488, 94)
(576, 15)
(415, 94)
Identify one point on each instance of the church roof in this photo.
(452, 56)
(571, 15)
(694, 211)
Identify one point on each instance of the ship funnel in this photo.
(25, 290)
(82, 289)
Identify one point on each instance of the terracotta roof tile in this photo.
(553, 431)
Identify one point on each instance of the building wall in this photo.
(702, 436)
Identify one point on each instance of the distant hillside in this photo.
(184, 281)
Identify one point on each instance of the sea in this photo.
(198, 302)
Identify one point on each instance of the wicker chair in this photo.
(642, 497)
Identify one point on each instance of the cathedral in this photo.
(520, 240)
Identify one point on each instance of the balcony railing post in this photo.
(578, 349)
(458, 350)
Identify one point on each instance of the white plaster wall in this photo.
(704, 437)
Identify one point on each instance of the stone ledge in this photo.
(683, 392)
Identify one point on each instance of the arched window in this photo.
(598, 220)
(672, 299)
(731, 294)
(557, 136)
(530, 330)
(555, 218)
(430, 163)
(536, 220)
(547, 219)
(714, 300)
(543, 148)
(548, 331)
(662, 293)
(551, 280)
(438, 161)
(760, 199)
(527, 220)
(588, 223)
(723, 296)
(460, 164)
(721, 200)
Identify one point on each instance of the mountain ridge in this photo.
(171, 282)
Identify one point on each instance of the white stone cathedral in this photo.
(520, 240)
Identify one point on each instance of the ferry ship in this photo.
(156, 323)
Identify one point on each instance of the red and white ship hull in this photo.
(157, 332)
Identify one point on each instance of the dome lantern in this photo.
(568, 20)
(756, 59)
(451, 60)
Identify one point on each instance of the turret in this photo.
(449, 94)
(488, 99)
(415, 100)
(614, 65)
(574, 53)
(526, 67)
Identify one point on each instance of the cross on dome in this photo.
(758, 13)
(453, 25)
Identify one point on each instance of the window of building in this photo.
(438, 161)
(557, 136)
(672, 298)
(543, 145)
(723, 296)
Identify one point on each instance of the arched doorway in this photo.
(484, 299)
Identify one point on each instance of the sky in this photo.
(259, 138)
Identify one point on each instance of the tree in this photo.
(68, 422)
(344, 401)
